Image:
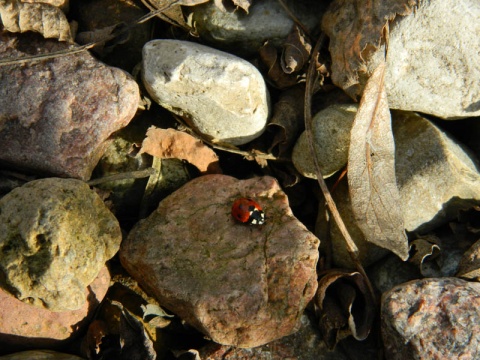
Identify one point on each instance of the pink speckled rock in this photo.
(432, 319)
(24, 326)
(241, 285)
(56, 115)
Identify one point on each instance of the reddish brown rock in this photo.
(305, 344)
(241, 285)
(24, 326)
(57, 114)
(435, 318)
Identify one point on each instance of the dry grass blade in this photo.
(371, 170)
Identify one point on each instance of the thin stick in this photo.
(351, 247)
(123, 176)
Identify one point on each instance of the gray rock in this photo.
(331, 132)
(435, 318)
(220, 95)
(243, 33)
(55, 236)
(57, 114)
(436, 178)
(241, 285)
(433, 62)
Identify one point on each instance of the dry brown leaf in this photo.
(173, 144)
(371, 170)
(173, 14)
(287, 120)
(355, 28)
(343, 306)
(271, 59)
(244, 4)
(424, 252)
(48, 20)
(296, 51)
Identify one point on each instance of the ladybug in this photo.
(248, 211)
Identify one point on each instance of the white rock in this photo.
(243, 33)
(433, 60)
(222, 96)
(436, 178)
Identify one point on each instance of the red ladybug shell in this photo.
(248, 211)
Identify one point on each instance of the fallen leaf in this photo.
(272, 61)
(343, 306)
(173, 144)
(134, 339)
(424, 251)
(173, 13)
(155, 316)
(371, 170)
(243, 4)
(296, 51)
(97, 331)
(355, 29)
(48, 20)
(287, 120)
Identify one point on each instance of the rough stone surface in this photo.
(306, 344)
(25, 326)
(331, 140)
(435, 176)
(241, 285)
(244, 33)
(432, 61)
(56, 115)
(435, 318)
(55, 236)
(40, 355)
(222, 96)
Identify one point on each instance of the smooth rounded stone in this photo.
(55, 236)
(429, 69)
(435, 176)
(25, 326)
(306, 344)
(56, 115)
(222, 96)
(434, 318)
(40, 355)
(243, 33)
(331, 138)
(241, 285)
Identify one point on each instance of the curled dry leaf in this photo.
(355, 29)
(48, 20)
(424, 251)
(344, 306)
(97, 331)
(134, 339)
(296, 51)
(469, 267)
(173, 144)
(371, 170)
(244, 4)
(272, 61)
(173, 14)
(287, 120)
